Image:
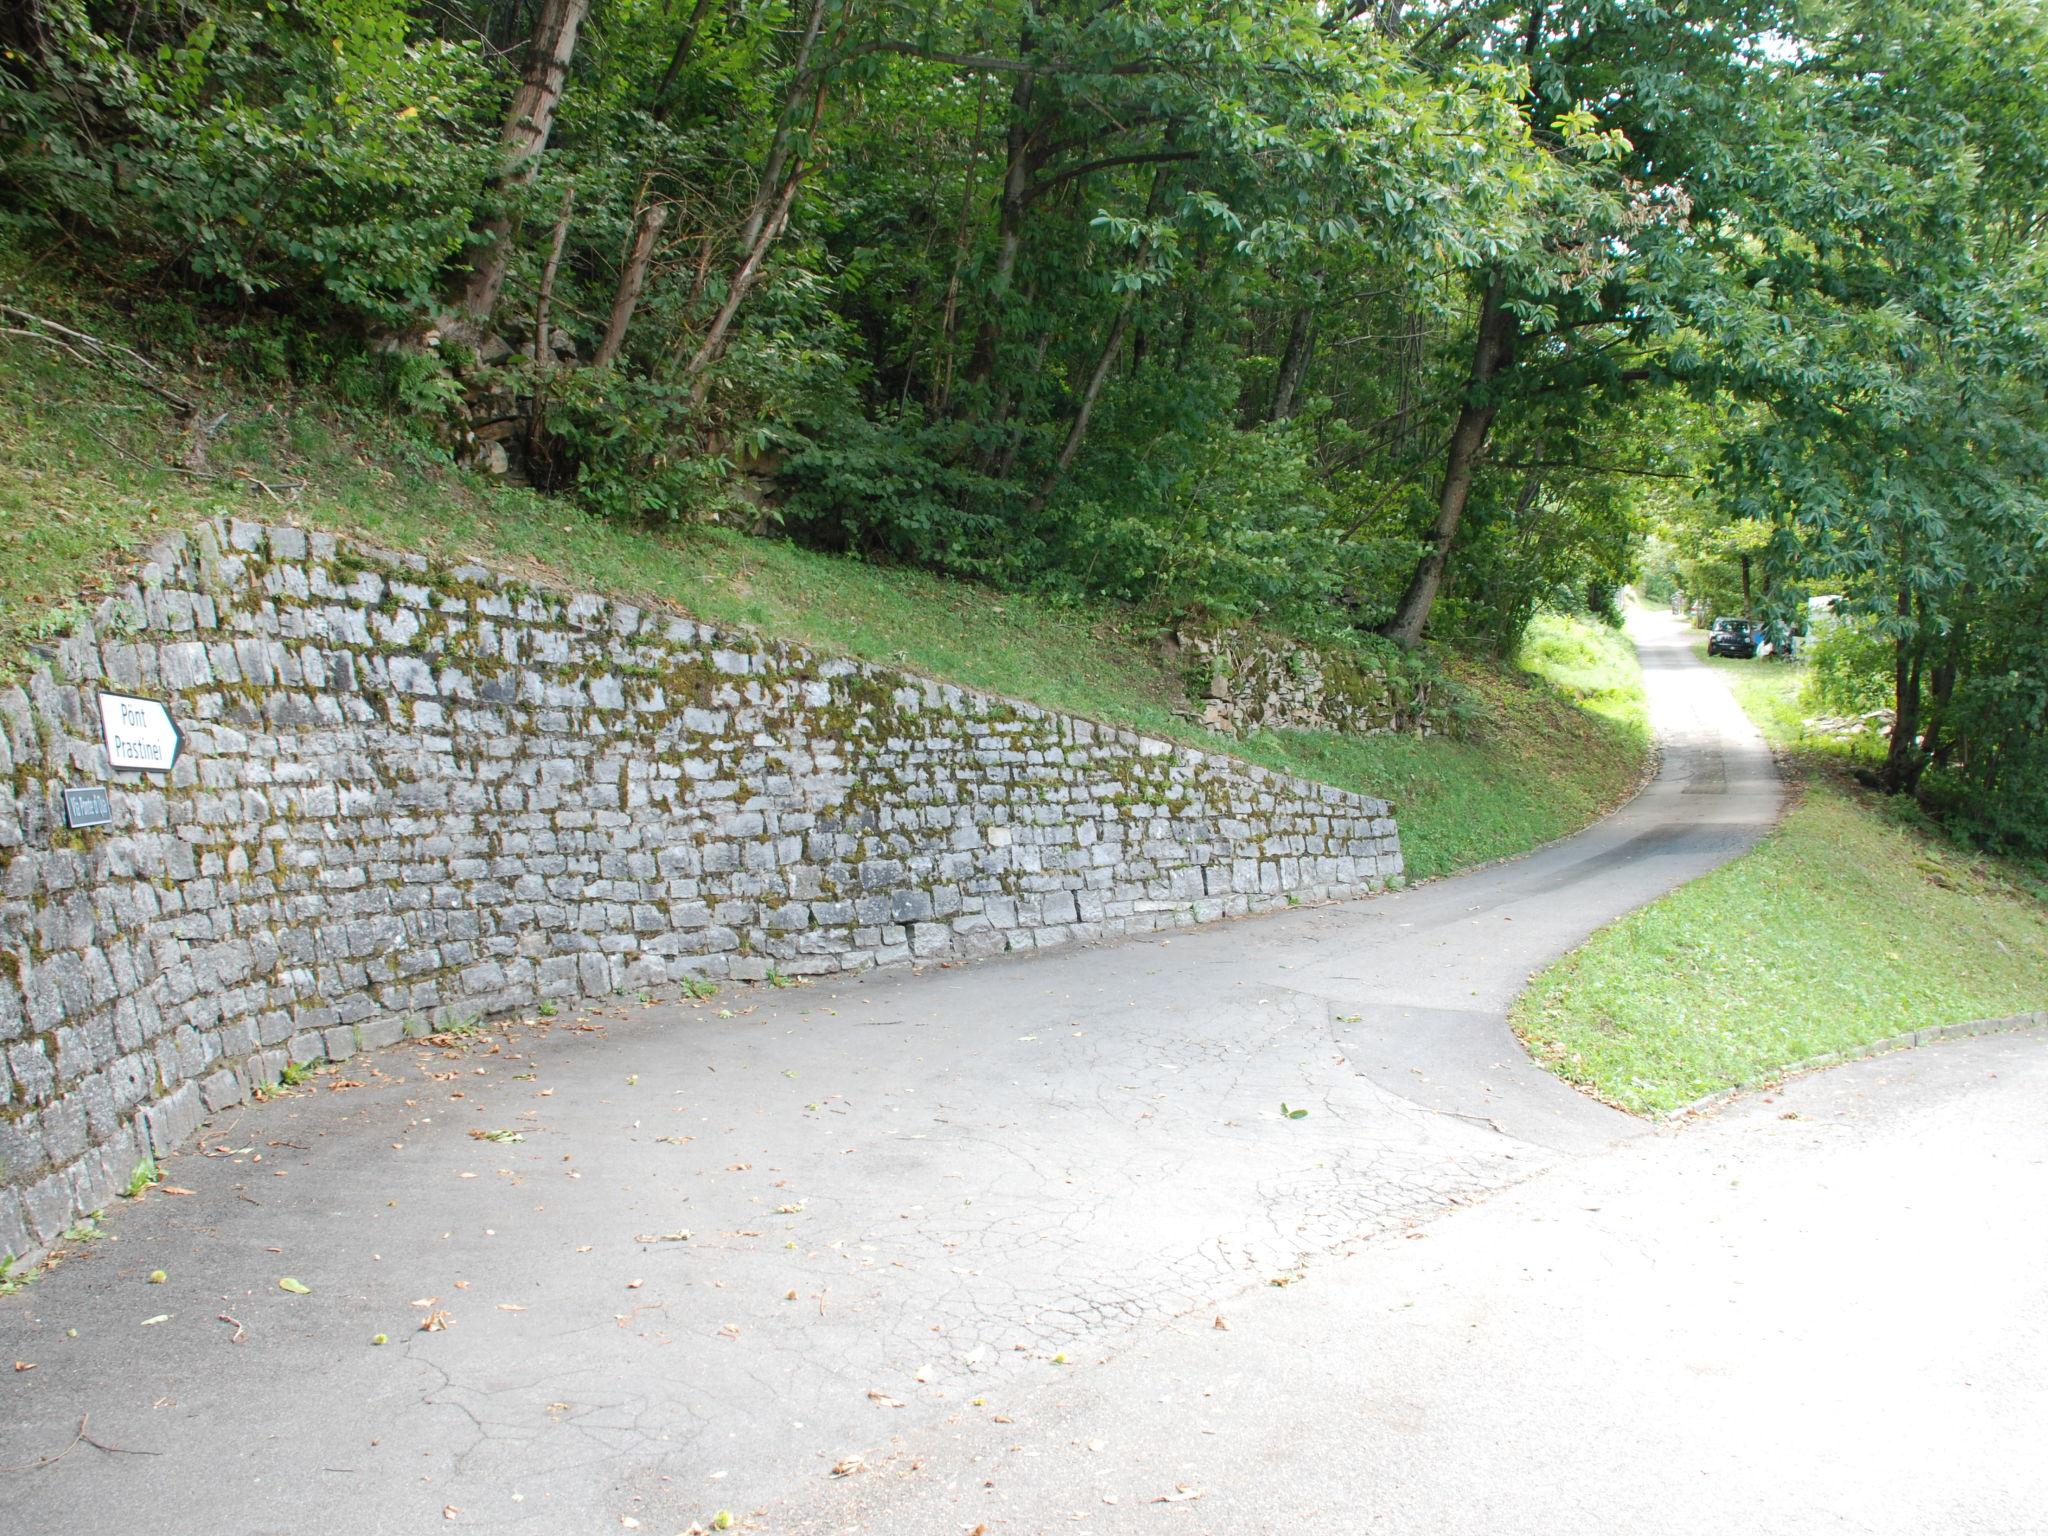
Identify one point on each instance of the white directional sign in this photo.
(140, 733)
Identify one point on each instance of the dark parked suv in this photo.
(1735, 637)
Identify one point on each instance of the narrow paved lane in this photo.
(908, 1202)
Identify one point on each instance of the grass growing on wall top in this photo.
(86, 483)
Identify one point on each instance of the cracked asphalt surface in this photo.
(939, 1222)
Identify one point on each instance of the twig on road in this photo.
(81, 1437)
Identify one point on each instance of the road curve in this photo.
(900, 1196)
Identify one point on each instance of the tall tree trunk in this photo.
(1078, 428)
(1492, 350)
(1019, 169)
(632, 279)
(772, 169)
(1902, 761)
(1935, 747)
(1744, 562)
(543, 342)
(1111, 345)
(527, 125)
(782, 173)
(949, 314)
(713, 345)
(684, 45)
(1294, 359)
(1006, 459)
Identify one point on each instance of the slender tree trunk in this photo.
(1078, 428)
(1492, 351)
(543, 340)
(525, 135)
(735, 295)
(772, 169)
(1934, 746)
(1294, 360)
(949, 316)
(1006, 460)
(1019, 170)
(1111, 345)
(543, 343)
(1744, 562)
(684, 46)
(1902, 762)
(632, 279)
(781, 175)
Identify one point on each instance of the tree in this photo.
(1897, 363)
(528, 122)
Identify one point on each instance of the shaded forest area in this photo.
(1369, 321)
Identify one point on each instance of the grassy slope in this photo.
(1846, 926)
(85, 481)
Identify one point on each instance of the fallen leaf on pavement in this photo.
(161, 1317)
(510, 1306)
(296, 1287)
(175, 1189)
(873, 1396)
(846, 1466)
(1181, 1494)
(29, 1365)
(434, 1322)
(680, 1236)
(1220, 1325)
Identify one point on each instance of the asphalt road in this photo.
(933, 1217)
(1823, 1311)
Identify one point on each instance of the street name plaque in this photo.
(92, 807)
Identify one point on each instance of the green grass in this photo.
(1551, 748)
(86, 481)
(1849, 924)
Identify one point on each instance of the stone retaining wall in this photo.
(413, 794)
(1244, 680)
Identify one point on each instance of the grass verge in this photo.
(1849, 924)
(88, 478)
